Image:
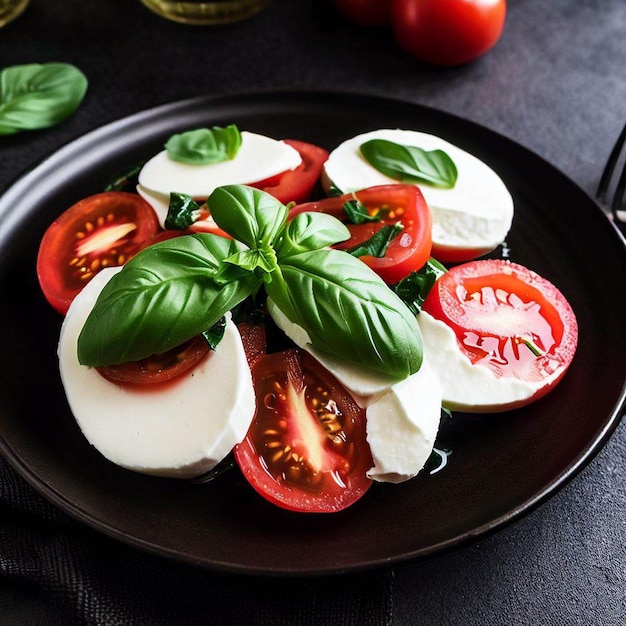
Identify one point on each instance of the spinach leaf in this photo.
(378, 243)
(204, 146)
(347, 311)
(413, 289)
(39, 95)
(182, 212)
(410, 164)
(164, 296)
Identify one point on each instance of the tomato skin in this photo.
(105, 229)
(406, 252)
(368, 13)
(295, 458)
(296, 185)
(447, 32)
(494, 307)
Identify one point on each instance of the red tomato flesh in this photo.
(296, 185)
(391, 203)
(158, 368)
(104, 230)
(306, 448)
(507, 318)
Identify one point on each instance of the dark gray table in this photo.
(555, 83)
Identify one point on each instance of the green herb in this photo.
(378, 243)
(182, 212)
(39, 95)
(532, 346)
(410, 164)
(417, 285)
(127, 181)
(215, 334)
(358, 214)
(205, 145)
(176, 289)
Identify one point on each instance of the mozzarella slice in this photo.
(402, 425)
(476, 214)
(465, 386)
(181, 429)
(258, 158)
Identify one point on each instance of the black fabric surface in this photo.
(555, 83)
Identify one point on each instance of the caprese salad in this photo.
(287, 306)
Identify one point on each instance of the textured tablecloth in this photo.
(555, 83)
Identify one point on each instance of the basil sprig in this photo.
(38, 95)
(204, 146)
(410, 164)
(176, 289)
(357, 213)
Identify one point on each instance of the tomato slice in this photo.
(254, 339)
(507, 318)
(296, 185)
(392, 204)
(104, 230)
(306, 448)
(158, 368)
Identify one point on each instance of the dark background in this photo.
(556, 83)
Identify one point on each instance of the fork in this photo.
(617, 206)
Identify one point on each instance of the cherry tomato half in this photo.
(447, 32)
(391, 203)
(306, 448)
(507, 318)
(104, 230)
(365, 12)
(296, 185)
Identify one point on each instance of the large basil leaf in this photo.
(347, 311)
(410, 164)
(247, 214)
(311, 231)
(204, 146)
(163, 297)
(39, 95)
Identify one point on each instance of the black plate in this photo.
(501, 465)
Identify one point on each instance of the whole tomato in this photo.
(447, 32)
(365, 12)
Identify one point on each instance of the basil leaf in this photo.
(162, 297)
(358, 214)
(204, 146)
(347, 311)
(410, 164)
(39, 95)
(126, 181)
(311, 231)
(182, 212)
(247, 214)
(215, 334)
(378, 243)
(414, 289)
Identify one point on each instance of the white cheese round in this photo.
(258, 158)
(476, 214)
(402, 425)
(181, 429)
(467, 387)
